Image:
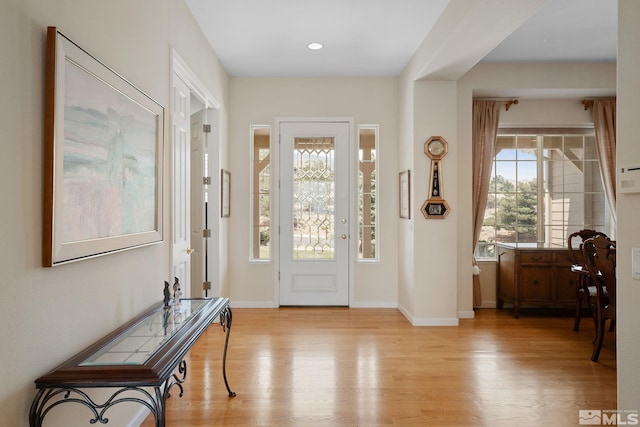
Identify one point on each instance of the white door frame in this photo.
(180, 187)
(275, 206)
(181, 70)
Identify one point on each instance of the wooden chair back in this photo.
(576, 240)
(600, 258)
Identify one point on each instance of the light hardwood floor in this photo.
(370, 367)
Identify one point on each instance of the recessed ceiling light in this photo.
(315, 46)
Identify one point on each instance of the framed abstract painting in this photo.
(103, 158)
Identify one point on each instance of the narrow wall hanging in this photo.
(435, 206)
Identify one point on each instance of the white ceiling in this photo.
(378, 37)
(564, 31)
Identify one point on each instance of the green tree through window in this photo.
(544, 186)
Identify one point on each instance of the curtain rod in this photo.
(588, 103)
(507, 102)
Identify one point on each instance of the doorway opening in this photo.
(195, 160)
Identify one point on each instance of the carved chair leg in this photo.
(594, 316)
(576, 322)
(582, 293)
(597, 346)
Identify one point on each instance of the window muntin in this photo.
(543, 187)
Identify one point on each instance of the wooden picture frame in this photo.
(225, 194)
(103, 155)
(405, 194)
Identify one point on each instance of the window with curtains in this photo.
(545, 184)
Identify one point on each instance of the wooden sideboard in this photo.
(535, 275)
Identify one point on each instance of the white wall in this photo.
(628, 206)
(50, 314)
(259, 101)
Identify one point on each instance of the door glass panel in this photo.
(313, 198)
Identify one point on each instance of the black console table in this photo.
(147, 352)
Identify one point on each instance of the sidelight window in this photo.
(367, 192)
(261, 193)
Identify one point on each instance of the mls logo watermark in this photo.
(608, 417)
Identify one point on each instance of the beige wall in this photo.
(434, 240)
(259, 101)
(628, 206)
(50, 314)
(405, 162)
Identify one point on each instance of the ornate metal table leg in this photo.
(49, 398)
(162, 403)
(226, 317)
(35, 413)
(162, 394)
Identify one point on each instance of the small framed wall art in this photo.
(225, 194)
(405, 194)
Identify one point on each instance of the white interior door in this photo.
(181, 179)
(199, 196)
(314, 213)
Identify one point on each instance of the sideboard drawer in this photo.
(536, 257)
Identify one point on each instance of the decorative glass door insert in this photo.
(313, 198)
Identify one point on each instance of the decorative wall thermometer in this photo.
(435, 207)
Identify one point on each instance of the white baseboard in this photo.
(466, 314)
(428, 321)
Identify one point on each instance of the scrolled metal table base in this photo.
(49, 398)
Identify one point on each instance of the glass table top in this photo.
(139, 343)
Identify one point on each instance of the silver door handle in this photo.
(344, 237)
(190, 251)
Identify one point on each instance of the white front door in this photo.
(181, 179)
(314, 213)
